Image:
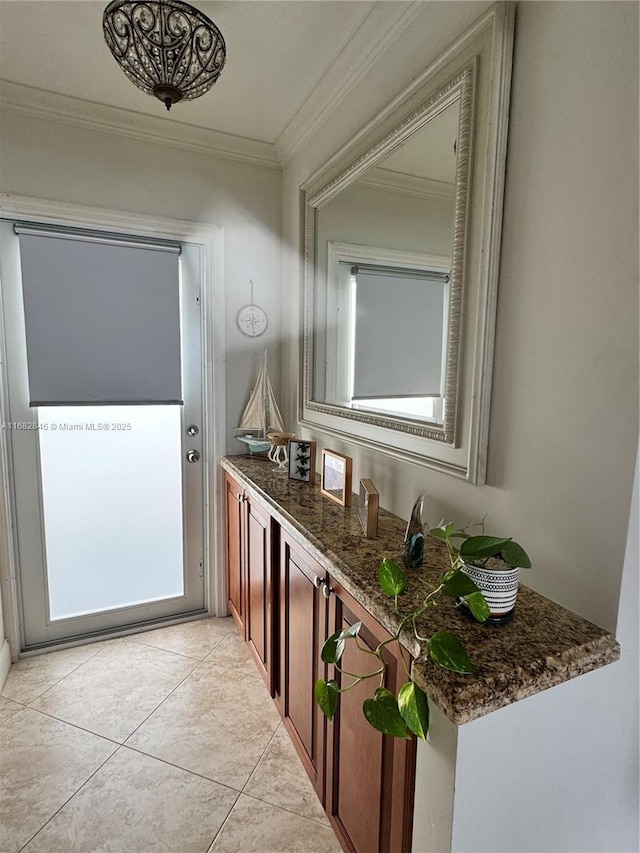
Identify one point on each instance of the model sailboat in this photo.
(261, 415)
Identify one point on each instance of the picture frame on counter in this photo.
(302, 460)
(336, 477)
(368, 506)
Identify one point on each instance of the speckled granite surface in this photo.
(542, 646)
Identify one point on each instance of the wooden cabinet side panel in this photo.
(235, 585)
(258, 615)
(356, 780)
(369, 795)
(302, 626)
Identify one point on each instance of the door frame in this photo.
(210, 241)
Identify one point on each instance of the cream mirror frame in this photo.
(474, 74)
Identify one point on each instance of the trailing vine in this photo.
(407, 712)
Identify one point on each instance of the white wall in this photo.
(50, 160)
(564, 419)
(377, 217)
(577, 786)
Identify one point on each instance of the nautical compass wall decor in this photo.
(251, 319)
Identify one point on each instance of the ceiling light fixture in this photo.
(166, 48)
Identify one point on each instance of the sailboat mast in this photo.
(265, 396)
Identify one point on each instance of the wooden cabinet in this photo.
(250, 575)
(286, 605)
(364, 779)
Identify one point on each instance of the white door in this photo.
(108, 499)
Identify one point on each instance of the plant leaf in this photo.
(448, 531)
(478, 606)
(448, 652)
(333, 648)
(383, 714)
(479, 547)
(352, 630)
(515, 555)
(414, 708)
(326, 693)
(458, 585)
(392, 579)
(439, 532)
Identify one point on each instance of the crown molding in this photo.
(398, 182)
(106, 119)
(382, 26)
(379, 30)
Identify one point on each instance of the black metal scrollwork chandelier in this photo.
(166, 47)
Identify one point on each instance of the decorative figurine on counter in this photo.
(417, 529)
(279, 451)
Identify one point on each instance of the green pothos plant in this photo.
(407, 712)
(482, 550)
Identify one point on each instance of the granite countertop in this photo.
(543, 645)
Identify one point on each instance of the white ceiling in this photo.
(287, 62)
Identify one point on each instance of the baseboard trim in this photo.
(5, 661)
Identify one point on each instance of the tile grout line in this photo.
(224, 823)
(171, 692)
(73, 725)
(168, 763)
(55, 684)
(253, 772)
(133, 638)
(117, 744)
(77, 791)
(106, 737)
(97, 734)
(183, 769)
(198, 664)
(262, 755)
(288, 811)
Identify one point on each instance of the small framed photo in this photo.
(368, 504)
(302, 460)
(336, 477)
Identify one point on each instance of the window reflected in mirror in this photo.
(383, 264)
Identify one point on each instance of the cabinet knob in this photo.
(317, 582)
(326, 590)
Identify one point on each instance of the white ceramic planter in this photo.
(499, 587)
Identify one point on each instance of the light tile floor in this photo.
(165, 741)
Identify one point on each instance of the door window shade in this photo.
(102, 320)
(399, 328)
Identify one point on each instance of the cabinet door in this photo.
(302, 626)
(258, 584)
(234, 513)
(370, 776)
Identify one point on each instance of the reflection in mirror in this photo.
(383, 248)
(401, 248)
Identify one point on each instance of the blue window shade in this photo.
(102, 320)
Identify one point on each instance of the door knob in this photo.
(192, 456)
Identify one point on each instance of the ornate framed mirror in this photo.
(401, 249)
